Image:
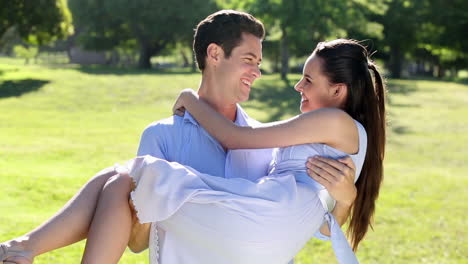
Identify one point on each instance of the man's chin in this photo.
(243, 98)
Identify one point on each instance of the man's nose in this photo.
(256, 72)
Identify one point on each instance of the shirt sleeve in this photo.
(151, 143)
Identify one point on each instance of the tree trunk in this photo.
(440, 71)
(453, 72)
(396, 61)
(185, 58)
(276, 61)
(149, 49)
(145, 55)
(194, 62)
(284, 55)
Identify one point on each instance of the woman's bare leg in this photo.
(70, 224)
(110, 229)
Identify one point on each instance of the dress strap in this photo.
(343, 252)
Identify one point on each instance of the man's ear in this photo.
(213, 53)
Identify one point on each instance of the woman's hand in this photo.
(336, 175)
(181, 101)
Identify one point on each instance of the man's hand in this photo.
(338, 178)
(336, 175)
(179, 105)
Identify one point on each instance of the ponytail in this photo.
(347, 61)
(369, 181)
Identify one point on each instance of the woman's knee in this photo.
(121, 182)
(104, 175)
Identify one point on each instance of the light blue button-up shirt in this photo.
(183, 140)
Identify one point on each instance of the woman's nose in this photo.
(298, 87)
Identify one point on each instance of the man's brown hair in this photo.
(225, 29)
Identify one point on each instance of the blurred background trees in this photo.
(36, 22)
(412, 37)
(145, 25)
(27, 24)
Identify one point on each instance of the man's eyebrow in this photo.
(308, 76)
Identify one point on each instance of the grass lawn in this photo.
(59, 125)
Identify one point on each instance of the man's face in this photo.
(238, 72)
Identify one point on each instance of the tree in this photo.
(401, 22)
(431, 31)
(443, 35)
(299, 24)
(106, 24)
(36, 22)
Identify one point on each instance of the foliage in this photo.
(153, 25)
(36, 22)
(425, 30)
(298, 25)
(444, 33)
(26, 53)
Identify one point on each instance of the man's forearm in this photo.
(341, 213)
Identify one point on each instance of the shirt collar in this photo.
(242, 119)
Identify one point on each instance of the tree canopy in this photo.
(299, 24)
(151, 25)
(36, 21)
(405, 32)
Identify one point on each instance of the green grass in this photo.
(61, 124)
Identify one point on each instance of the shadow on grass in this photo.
(400, 130)
(20, 87)
(3, 71)
(403, 89)
(104, 70)
(459, 80)
(279, 97)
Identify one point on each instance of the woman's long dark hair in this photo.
(347, 61)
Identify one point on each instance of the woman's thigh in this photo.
(275, 236)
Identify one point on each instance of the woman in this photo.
(273, 218)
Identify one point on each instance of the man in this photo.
(228, 50)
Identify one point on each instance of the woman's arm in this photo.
(328, 125)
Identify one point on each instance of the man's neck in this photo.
(215, 100)
(228, 111)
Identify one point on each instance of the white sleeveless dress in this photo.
(236, 220)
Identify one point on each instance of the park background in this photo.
(81, 79)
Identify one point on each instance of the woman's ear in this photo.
(339, 92)
(213, 53)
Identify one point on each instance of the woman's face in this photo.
(316, 91)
